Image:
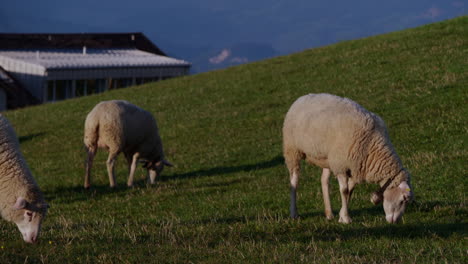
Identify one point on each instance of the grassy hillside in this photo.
(227, 199)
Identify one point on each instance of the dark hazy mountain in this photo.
(218, 33)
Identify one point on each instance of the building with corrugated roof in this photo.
(54, 67)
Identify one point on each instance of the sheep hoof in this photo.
(345, 220)
(329, 216)
(87, 186)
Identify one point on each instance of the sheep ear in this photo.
(167, 163)
(21, 203)
(376, 198)
(407, 192)
(404, 186)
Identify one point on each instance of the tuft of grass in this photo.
(226, 201)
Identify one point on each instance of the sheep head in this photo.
(155, 168)
(28, 217)
(395, 201)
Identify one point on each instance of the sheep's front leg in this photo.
(326, 193)
(345, 195)
(110, 167)
(132, 169)
(152, 174)
(351, 185)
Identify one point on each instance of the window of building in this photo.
(118, 83)
(101, 85)
(50, 91)
(57, 90)
(80, 87)
(60, 90)
(149, 79)
(91, 87)
(139, 81)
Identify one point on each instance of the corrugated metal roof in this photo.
(128, 40)
(91, 58)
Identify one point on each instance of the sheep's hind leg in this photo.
(110, 167)
(294, 179)
(293, 164)
(326, 193)
(345, 195)
(89, 164)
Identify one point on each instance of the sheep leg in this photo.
(110, 167)
(345, 194)
(351, 185)
(293, 164)
(132, 169)
(326, 193)
(89, 164)
(152, 176)
(294, 180)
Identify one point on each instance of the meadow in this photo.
(227, 198)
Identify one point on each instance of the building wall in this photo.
(30, 76)
(103, 73)
(62, 84)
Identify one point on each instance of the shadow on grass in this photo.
(428, 230)
(373, 210)
(23, 139)
(250, 219)
(78, 193)
(420, 230)
(335, 232)
(225, 170)
(377, 210)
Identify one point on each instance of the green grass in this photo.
(227, 199)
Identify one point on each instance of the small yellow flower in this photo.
(50, 242)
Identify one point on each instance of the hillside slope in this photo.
(227, 198)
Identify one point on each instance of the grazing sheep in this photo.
(341, 136)
(21, 200)
(120, 126)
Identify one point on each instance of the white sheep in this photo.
(120, 126)
(21, 200)
(340, 136)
